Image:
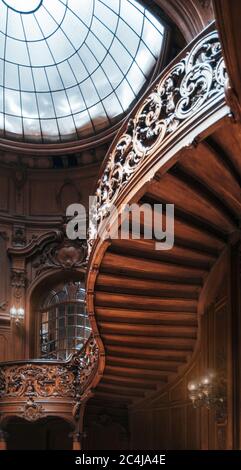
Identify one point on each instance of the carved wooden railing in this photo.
(184, 101)
(36, 389)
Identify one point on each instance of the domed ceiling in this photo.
(70, 69)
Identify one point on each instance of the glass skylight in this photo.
(70, 69)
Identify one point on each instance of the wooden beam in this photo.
(148, 331)
(136, 372)
(223, 215)
(151, 317)
(193, 198)
(132, 352)
(110, 397)
(121, 390)
(147, 249)
(210, 164)
(108, 299)
(129, 381)
(169, 366)
(181, 344)
(188, 227)
(119, 263)
(134, 285)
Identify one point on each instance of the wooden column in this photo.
(76, 437)
(3, 440)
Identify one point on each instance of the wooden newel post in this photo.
(3, 440)
(76, 437)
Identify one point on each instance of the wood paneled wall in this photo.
(32, 202)
(169, 421)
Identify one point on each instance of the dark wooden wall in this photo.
(169, 421)
(34, 200)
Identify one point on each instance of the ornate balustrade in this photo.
(187, 98)
(36, 389)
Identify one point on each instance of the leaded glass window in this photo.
(69, 68)
(64, 323)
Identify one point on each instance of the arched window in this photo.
(64, 323)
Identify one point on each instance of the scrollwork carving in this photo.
(181, 93)
(18, 283)
(61, 253)
(2, 383)
(31, 380)
(35, 383)
(32, 411)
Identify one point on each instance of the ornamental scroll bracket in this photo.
(61, 253)
(177, 100)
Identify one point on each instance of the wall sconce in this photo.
(207, 391)
(17, 315)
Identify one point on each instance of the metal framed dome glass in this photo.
(70, 69)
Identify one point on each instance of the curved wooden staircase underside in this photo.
(180, 146)
(146, 301)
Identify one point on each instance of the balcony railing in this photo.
(36, 389)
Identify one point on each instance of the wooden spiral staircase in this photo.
(181, 146)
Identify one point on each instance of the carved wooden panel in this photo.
(42, 198)
(221, 358)
(4, 343)
(174, 423)
(35, 389)
(4, 193)
(161, 429)
(178, 427)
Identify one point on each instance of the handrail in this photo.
(33, 389)
(80, 354)
(173, 111)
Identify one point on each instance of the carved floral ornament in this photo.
(185, 90)
(62, 253)
(32, 383)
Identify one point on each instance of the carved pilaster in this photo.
(18, 283)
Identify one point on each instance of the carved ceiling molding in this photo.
(175, 104)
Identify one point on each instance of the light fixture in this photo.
(17, 314)
(206, 391)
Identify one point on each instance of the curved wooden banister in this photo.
(185, 100)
